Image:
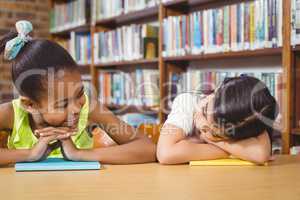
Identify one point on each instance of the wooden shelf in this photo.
(129, 17)
(296, 131)
(296, 48)
(66, 32)
(84, 69)
(119, 109)
(133, 62)
(179, 4)
(238, 54)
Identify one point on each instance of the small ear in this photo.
(29, 105)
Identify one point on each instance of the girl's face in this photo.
(62, 105)
(204, 119)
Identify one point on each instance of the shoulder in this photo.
(6, 116)
(185, 100)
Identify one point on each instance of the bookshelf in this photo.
(127, 63)
(64, 33)
(126, 18)
(168, 64)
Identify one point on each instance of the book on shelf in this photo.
(79, 47)
(247, 25)
(133, 42)
(136, 119)
(138, 88)
(295, 32)
(103, 9)
(71, 14)
(87, 83)
(207, 80)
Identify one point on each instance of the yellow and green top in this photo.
(22, 136)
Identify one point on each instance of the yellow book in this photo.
(224, 162)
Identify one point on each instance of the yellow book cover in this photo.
(252, 25)
(224, 162)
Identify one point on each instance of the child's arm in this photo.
(133, 147)
(6, 124)
(9, 156)
(174, 148)
(256, 149)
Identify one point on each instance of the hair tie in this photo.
(13, 47)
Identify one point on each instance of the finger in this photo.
(56, 128)
(69, 129)
(53, 132)
(44, 129)
(63, 137)
(47, 140)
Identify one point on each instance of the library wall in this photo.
(35, 11)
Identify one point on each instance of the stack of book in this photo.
(248, 25)
(79, 47)
(102, 9)
(136, 41)
(68, 15)
(295, 22)
(138, 88)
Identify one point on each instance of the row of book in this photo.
(138, 88)
(79, 47)
(295, 32)
(136, 41)
(102, 9)
(248, 25)
(205, 81)
(68, 15)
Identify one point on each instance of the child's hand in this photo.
(47, 135)
(204, 136)
(60, 132)
(42, 148)
(69, 150)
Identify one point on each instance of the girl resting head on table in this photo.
(51, 115)
(235, 120)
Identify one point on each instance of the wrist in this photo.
(29, 155)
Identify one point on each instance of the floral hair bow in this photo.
(13, 47)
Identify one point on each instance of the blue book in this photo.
(56, 164)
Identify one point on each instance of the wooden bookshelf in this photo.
(121, 109)
(66, 32)
(178, 7)
(127, 63)
(230, 55)
(296, 48)
(296, 131)
(127, 18)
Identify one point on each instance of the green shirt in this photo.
(22, 136)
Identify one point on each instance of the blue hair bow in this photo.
(13, 47)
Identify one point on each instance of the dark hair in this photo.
(39, 54)
(242, 105)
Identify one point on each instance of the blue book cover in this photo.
(56, 164)
(197, 35)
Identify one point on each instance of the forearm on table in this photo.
(137, 151)
(185, 151)
(10, 156)
(250, 149)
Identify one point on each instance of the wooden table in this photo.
(281, 181)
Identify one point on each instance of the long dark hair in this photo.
(39, 54)
(244, 107)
